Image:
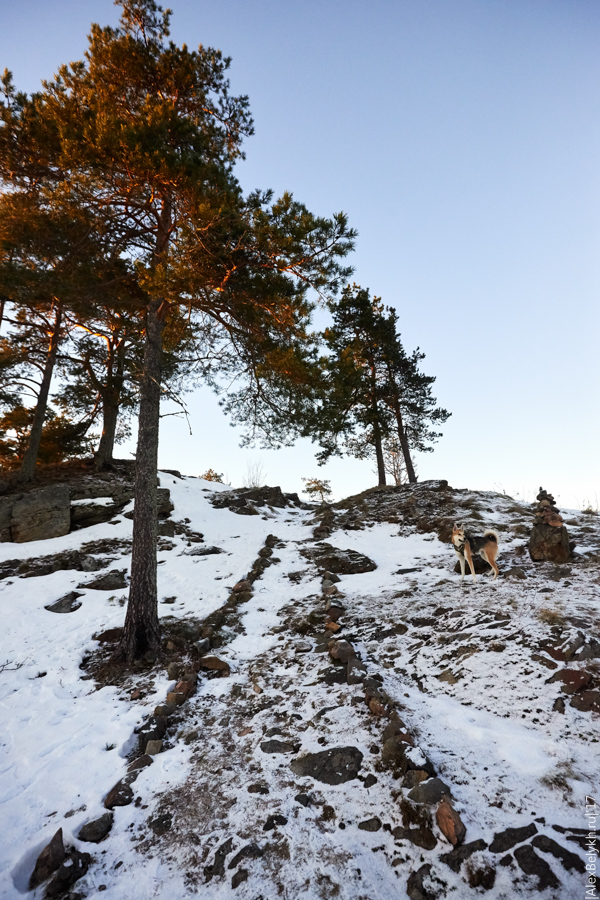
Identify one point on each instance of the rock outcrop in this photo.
(549, 539)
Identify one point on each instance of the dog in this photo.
(466, 545)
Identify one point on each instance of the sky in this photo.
(462, 139)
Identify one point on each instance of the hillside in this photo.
(341, 705)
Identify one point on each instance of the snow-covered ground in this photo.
(468, 676)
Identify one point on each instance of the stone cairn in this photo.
(549, 539)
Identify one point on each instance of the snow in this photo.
(492, 734)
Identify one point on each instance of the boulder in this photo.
(549, 543)
(506, 840)
(41, 514)
(430, 791)
(334, 766)
(340, 562)
(72, 869)
(114, 580)
(449, 822)
(96, 831)
(67, 604)
(49, 860)
(457, 856)
(532, 864)
(120, 795)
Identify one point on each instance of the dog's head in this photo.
(458, 534)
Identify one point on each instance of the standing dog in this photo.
(466, 545)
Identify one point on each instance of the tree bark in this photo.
(27, 470)
(141, 631)
(379, 457)
(111, 403)
(410, 471)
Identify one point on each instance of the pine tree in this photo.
(148, 131)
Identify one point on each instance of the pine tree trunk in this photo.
(27, 470)
(141, 631)
(111, 402)
(379, 456)
(410, 471)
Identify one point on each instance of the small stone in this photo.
(356, 671)
(215, 664)
(377, 708)
(332, 626)
(250, 851)
(430, 791)
(173, 670)
(120, 795)
(421, 837)
(165, 710)
(187, 688)
(153, 748)
(369, 781)
(259, 788)
(257, 688)
(273, 821)
(202, 646)
(241, 586)
(67, 604)
(140, 763)
(449, 822)
(161, 824)
(341, 651)
(49, 860)
(275, 746)
(414, 777)
(302, 799)
(373, 824)
(96, 831)
(175, 699)
(587, 701)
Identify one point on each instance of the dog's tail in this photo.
(491, 534)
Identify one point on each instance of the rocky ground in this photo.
(337, 714)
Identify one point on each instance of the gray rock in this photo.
(112, 581)
(505, 840)
(120, 795)
(416, 888)
(42, 514)
(340, 562)
(333, 766)
(67, 604)
(96, 831)
(218, 864)
(430, 791)
(534, 865)
(422, 836)
(202, 646)
(49, 860)
(84, 515)
(373, 824)
(276, 746)
(456, 857)
(72, 869)
(250, 851)
(550, 543)
(153, 729)
(356, 671)
(568, 859)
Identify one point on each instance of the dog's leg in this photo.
(470, 561)
(461, 560)
(488, 553)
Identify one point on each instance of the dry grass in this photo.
(551, 616)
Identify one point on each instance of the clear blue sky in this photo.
(463, 141)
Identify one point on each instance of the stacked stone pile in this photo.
(549, 539)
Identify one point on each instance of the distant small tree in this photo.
(255, 474)
(211, 475)
(317, 487)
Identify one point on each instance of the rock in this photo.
(239, 877)
(153, 729)
(414, 777)
(164, 506)
(95, 831)
(479, 564)
(373, 824)
(250, 851)
(203, 551)
(242, 586)
(416, 888)
(559, 705)
(422, 836)
(457, 856)
(93, 512)
(534, 865)
(166, 529)
(258, 788)
(6, 506)
(339, 562)
(41, 514)
(587, 701)
(334, 766)
(72, 869)
(548, 542)
(573, 680)
(370, 780)
(120, 795)
(568, 859)
(202, 646)
(377, 708)
(430, 791)
(275, 746)
(161, 824)
(215, 664)
(153, 748)
(505, 840)
(449, 822)
(515, 572)
(273, 821)
(185, 687)
(140, 763)
(49, 860)
(112, 581)
(218, 865)
(302, 799)
(331, 577)
(355, 671)
(483, 877)
(67, 604)
(398, 754)
(341, 651)
(335, 612)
